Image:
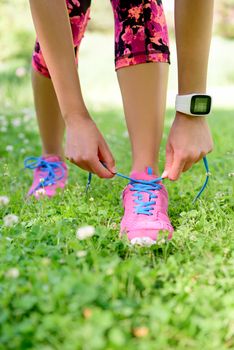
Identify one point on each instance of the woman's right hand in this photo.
(86, 147)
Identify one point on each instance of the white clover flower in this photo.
(16, 122)
(114, 225)
(91, 199)
(81, 253)
(4, 200)
(85, 232)
(161, 241)
(22, 150)
(26, 141)
(21, 136)
(10, 220)
(41, 191)
(219, 194)
(20, 72)
(9, 148)
(192, 238)
(231, 174)
(13, 273)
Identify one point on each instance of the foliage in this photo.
(58, 292)
(225, 18)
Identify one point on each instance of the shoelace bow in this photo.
(138, 186)
(149, 187)
(47, 167)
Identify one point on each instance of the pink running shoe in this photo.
(50, 173)
(145, 202)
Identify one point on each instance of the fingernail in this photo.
(165, 174)
(113, 170)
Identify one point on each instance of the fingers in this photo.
(93, 165)
(182, 162)
(169, 161)
(105, 155)
(100, 170)
(188, 165)
(202, 155)
(81, 164)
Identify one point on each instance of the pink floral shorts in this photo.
(141, 33)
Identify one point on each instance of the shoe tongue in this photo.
(52, 158)
(148, 174)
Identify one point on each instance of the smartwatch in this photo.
(194, 104)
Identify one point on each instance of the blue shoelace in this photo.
(145, 207)
(47, 167)
(138, 186)
(149, 187)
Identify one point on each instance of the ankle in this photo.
(141, 168)
(58, 153)
(47, 155)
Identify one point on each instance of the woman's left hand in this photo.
(189, 141)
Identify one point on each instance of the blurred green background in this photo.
(97, 66)
(178, 296)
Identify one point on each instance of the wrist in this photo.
(188, 116)
(72, 118)
(182, 117)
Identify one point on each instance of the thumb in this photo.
(177, 168)
(169, 161)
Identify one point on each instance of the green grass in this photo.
(60, 293)
(181, 292)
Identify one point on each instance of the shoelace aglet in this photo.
(88, 183)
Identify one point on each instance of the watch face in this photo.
(200, 104)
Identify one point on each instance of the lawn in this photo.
(61, 293)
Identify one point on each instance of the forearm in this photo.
(193, 26)
(54, 33)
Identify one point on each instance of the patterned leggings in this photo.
(140, 32)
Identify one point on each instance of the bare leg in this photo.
(143, 88)
(50, 121)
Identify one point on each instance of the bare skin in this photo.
(190, 138)
(54, 32)
(143, 90)
(50, 120)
